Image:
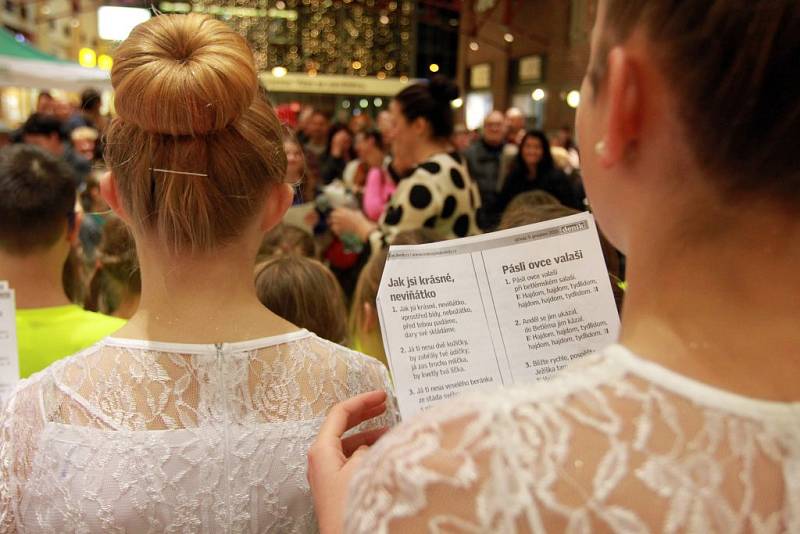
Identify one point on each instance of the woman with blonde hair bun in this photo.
(196, 415)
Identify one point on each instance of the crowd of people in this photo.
(194, 359)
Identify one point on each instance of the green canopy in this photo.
(22, 65)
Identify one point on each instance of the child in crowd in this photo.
(520, 214)
(304, 292)
(116, 284)
(95, 212)
(287, 239)
(537, 197)
(364, 326)
(38, 259)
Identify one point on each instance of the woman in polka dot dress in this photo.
(438, 193)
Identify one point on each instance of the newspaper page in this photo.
(510, 307)
(9, 359)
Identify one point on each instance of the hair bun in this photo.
(443, 89)
(183, 75)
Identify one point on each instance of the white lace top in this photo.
(618, 445)
(137, 436)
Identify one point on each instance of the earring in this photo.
(600, 148)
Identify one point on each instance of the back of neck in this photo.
(722, 311)
(206, 299)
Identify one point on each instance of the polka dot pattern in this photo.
(461, 226)
(439, 194)
(431, 166)
(449, 207)
(457, 178)
(393, 215)
(420, 197)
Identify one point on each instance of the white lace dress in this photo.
(136, 436)
(618, 445)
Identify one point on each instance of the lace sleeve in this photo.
(373, 376)
(623, 456)
(472, 467)
(20, 425)
(410, 476)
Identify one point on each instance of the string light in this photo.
(509, 37)
(326, 36)
(474, 46)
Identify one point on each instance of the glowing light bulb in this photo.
(573, 99)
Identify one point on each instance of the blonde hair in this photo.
(117, 274)
(369, 279)
(520, 209)
(188, 101)
(304, 292)
(287, 239)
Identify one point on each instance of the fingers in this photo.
(374, 411)
(326, 454)
(363, 439)
(350, 413)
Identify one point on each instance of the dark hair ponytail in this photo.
(431, 101)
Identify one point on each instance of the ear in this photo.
(369, 319)
(110, 193)
(624, 103)
(279, 198)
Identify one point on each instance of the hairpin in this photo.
(180, 172)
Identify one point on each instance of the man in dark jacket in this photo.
(487, 160)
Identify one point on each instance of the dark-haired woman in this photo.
(439, 192)
(338, 153)
(378, 185)
(532, 169)
(692, 422)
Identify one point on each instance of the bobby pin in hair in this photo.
(181, 172)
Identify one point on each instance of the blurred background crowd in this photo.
(346, 174)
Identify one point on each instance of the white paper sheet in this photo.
(504, 308)
(300, 215)
(9, 359)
